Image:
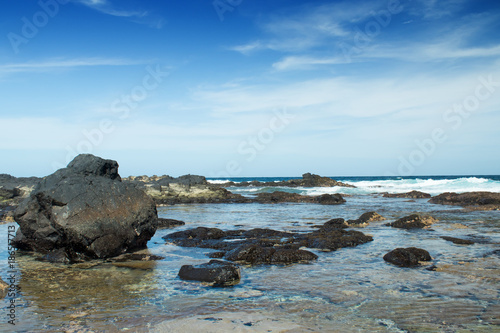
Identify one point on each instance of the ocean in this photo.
(348, 290)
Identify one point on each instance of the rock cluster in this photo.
(267, 246)
(85, 211)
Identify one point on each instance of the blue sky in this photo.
(251, 88)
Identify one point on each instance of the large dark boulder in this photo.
(87, 211)
(407, 257)
(216, 272)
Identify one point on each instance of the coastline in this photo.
(339, 291)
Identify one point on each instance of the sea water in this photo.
(349, 290)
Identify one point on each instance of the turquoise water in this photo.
(350, 290)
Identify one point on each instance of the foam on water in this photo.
(429, 185)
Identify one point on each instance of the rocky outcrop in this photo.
(216, 272)
(414, 221)
(86, 212)
(13, 190)
(408, 195)
(267, 246)
(469, 200)
(407, 257)
(280, 197)
(166, 190)
(308, 180)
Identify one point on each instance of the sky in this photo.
(235, 88)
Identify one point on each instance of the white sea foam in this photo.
(218, 181)
(431, 186)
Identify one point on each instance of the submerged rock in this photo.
(408, 195)
(169, 223)
(458, 240)
(414, 221)
(86, 211)
(217, 272)
(470, 200)
(407, 257)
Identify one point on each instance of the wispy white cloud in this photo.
(55, 64)
(326, 35)
(137, 16)
(105, 7)
(305, 62)
(435, 9)
(409, 93)
(433, 52)
(248, 48)
(311, 26)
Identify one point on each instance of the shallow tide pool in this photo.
(349, 290)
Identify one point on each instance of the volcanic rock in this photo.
(87, 211)
(166, 190)
(408, 195)
(414, 221)
(365, 219)
(458, 240)
(253, 254)
(409, 257)
(267, 246)
(281, 197)
(169, 223)
(470, 200)
(217, 272)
